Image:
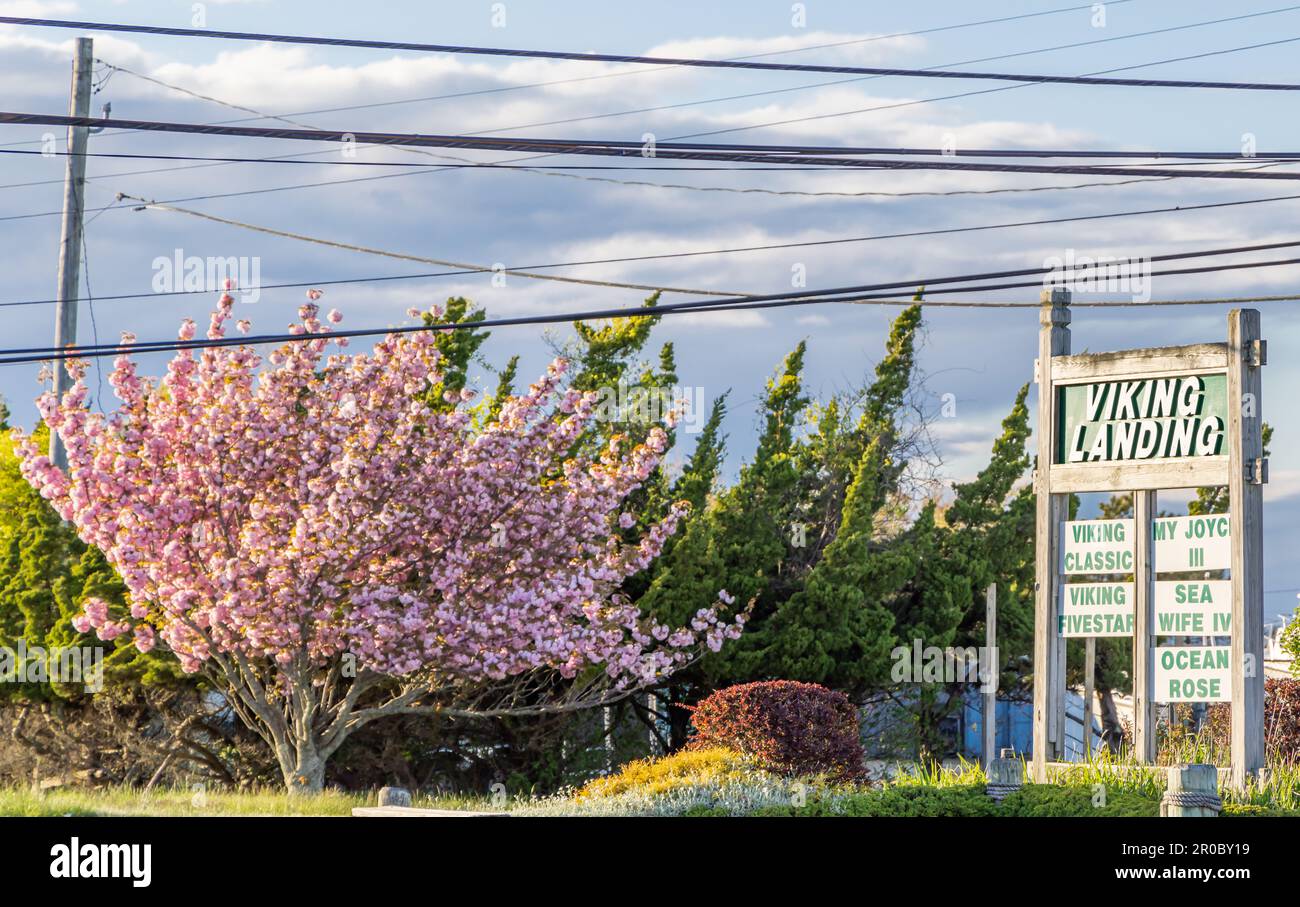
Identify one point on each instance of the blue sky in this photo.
(524, 218)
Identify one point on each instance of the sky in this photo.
(979, 359)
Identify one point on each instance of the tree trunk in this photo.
(303, 768)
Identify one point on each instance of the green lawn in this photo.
(15, 801)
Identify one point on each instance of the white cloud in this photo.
(847, 49)
(36, 9)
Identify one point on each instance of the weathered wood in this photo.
(994, 666)
(1246, 525)
(1051, 510)
(417, 813)
(1193, 790)
(1089, 692)
(1144, 667)
(1140, 475)
(1153, 362)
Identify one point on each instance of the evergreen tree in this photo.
(458, 349)
(505, 388)
(46, 574)
(742, 537)
(697, 481)
(830, 632)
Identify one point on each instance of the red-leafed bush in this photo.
(1282, 719)
(787, 727)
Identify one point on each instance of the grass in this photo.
(21, 801)
(717, 782)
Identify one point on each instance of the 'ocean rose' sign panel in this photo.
(1193, 674)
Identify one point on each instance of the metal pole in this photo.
(74, 191)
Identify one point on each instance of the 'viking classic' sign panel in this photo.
(1192, 543)
(1097, 546)
(1193, 674)
(1142, 419)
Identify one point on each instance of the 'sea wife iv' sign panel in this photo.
(1142, 419)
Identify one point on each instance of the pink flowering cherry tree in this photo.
(329, 550)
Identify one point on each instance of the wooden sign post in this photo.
(1140, 421)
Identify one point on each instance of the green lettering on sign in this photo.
(1146, 419)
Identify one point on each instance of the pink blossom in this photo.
(293, 508)
(145, 639)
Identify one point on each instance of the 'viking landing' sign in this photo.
(1188, 589)
(1143, 419)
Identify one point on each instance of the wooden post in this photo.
(1049, 646)
(1246, 475)
(1144, 665)
(993, 665)
(1193, 790)
(1089, 693)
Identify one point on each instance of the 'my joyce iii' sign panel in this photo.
(1091, 547)
(1142, 419)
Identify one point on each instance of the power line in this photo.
(501, 269)
(670, 309)
(981, 91)
(290, 159)
(794, 152)
(653, 61)
(588, 177)
(855, 294)
(932, 281)
(654, 69)
(558, 170)
(684, 254)
(668, 150)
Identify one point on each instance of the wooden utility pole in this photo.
(993, 664)
(1052, 509)
(1089, 692)
(1144, 629)
(74, 194)
(1247, 472)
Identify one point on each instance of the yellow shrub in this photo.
(688, 768)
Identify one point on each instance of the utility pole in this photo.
(74, 193)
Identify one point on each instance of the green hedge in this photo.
(965, 800)
(1074, 800)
